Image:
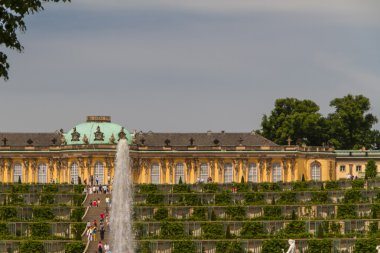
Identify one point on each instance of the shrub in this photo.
(358, 184)
(15, 199)
(223, 198)
(211, 230)
(253, 198)
(270, 186)
(40, 229)
(346, 211)
(79, 188)
(43, 213)
(50, 188)
(272, 211)
(252, 229)
(148, 188)
(288, 197)
(32, 247)
(241, 187)
(155, 199)
(295, 227)
(47, 199)
(7, 213)
(74, 247)
(199, 213)
(371, 169)
(299, 186)
(210, 187)
(332, 185)
(365, 245)
(352, 196)
(20, 188)
(78, 199)
(319, 246)
(161, 214)
(172, 230)
(373, 228)
(181, 188)
(191, 199)
(273, 245)
(319, 197)
(3, 229)
(235, 212)
(375, 210)
(213, 215)
(76, 214)
(229, 247)
(184, 246)
(77, 229)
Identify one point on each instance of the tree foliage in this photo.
(12, 20)
(348, 127)
(371, 169)
(298, 119)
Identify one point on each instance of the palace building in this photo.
(87, 151)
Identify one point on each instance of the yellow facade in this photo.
(88, 150)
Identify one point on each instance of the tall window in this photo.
(342, 168)
(204, 172)
(42, 173)
(179, 173)
(276, 173)
(358, 168)
(17, 172)
(252, 173)
(315, 171)
(74, 173)
(228, 173)
(99, 172)
(155, 174)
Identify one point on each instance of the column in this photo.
(268, 167)
(163, 171)
(188, 171)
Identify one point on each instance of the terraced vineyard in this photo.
(41, 218)
(339, 216)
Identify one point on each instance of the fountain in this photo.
(121, 234)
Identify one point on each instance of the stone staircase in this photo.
(92, 214)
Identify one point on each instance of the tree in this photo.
(298, 120)
(350, 126)
(371, 169)
(12, 19)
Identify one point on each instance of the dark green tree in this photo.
(350, 126)
(298, 120)
(12, 20)
(371, 169)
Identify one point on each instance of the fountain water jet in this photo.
(121, 234)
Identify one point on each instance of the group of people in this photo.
(92, 229)
(103, 248)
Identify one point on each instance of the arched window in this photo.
(276, 173)
(204, 172)
(17, 172)
(252, 173)
(74, 173)
(316, 171)
(228, 173)
(179, 173)
(99, 173)
(155, 174)
(42, 173)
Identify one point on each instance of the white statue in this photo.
(378, 248)
(292, 246)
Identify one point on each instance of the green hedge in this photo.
(74, 247)
(43, 213)
(32, 247)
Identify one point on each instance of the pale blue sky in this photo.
(169, 65)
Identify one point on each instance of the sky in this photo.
(188, 66)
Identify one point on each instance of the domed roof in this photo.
(97, 130)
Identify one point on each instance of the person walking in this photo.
(102, 233)
(100, 247)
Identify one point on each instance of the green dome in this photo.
(97, 130)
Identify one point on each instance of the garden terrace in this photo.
(41, 218)
(337, 216)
